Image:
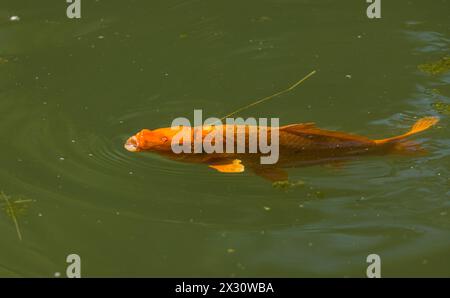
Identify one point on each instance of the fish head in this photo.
(148, 140)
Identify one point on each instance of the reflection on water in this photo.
(72, 92)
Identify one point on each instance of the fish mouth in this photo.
(132, 144)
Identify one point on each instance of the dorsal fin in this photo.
(310, 129)
(298, 126)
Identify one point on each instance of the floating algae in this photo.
(433, 92)
(438, 104)
(436, 67)
(3, 60)
(13, 209)
(441, 107)
(286, 184)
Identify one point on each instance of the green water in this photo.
(72, 91)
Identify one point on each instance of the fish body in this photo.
(299, 145)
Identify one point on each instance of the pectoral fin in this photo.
(234, 166)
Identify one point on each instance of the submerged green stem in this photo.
(270, 97)
(11, 212)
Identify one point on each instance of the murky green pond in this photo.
(73, 90)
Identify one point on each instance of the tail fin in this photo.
(421, 125)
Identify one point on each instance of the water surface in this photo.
(72, 91)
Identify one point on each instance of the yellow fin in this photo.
(421, 125)
(234, 167)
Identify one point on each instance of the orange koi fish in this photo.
(299, 145)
